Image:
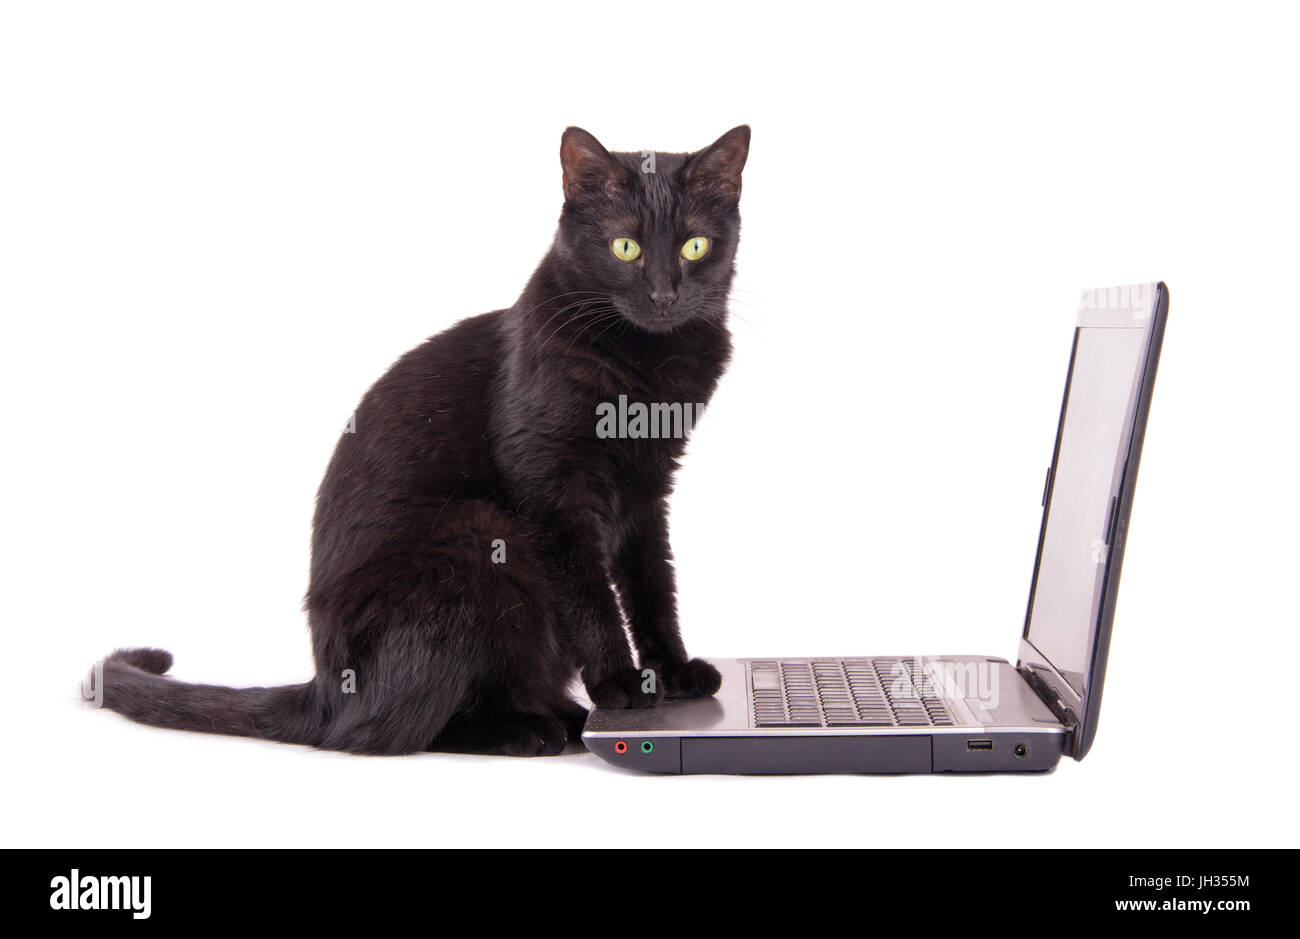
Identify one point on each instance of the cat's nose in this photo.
(663, 299)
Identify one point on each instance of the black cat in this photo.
(474, 534)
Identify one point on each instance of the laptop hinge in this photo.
(1060, 710)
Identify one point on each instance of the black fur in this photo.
(488, 431)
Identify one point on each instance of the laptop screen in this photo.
(1093, 438)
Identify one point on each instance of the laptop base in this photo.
(1009, 730)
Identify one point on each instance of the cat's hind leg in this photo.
(401, 693)
(450, 639)
(503, 734)
(506, 733)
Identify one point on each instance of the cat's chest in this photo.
(664, 379)
(639, 420)
(603, 432)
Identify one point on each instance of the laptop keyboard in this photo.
(887, 692)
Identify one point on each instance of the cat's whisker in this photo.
(617, 318)
(571, 293)
(572, 319)
(595, 318)
(721, 308)
(711, 299)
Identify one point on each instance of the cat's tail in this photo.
(131, 682)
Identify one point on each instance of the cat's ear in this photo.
(588, 167)
(717, 167)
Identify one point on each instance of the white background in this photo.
(221, 222)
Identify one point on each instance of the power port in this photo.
(1021, 750)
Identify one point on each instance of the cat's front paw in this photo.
(627, 688)
(693, 679)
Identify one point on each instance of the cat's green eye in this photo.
(696, 248)
(625, 249)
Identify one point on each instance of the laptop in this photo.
(954, 713)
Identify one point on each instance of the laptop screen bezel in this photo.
(1082, 710)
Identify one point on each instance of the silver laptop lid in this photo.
(1087, 497)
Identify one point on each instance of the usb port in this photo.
(979, 744)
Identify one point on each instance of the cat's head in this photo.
(656, 233)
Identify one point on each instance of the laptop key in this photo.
(887, 692)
